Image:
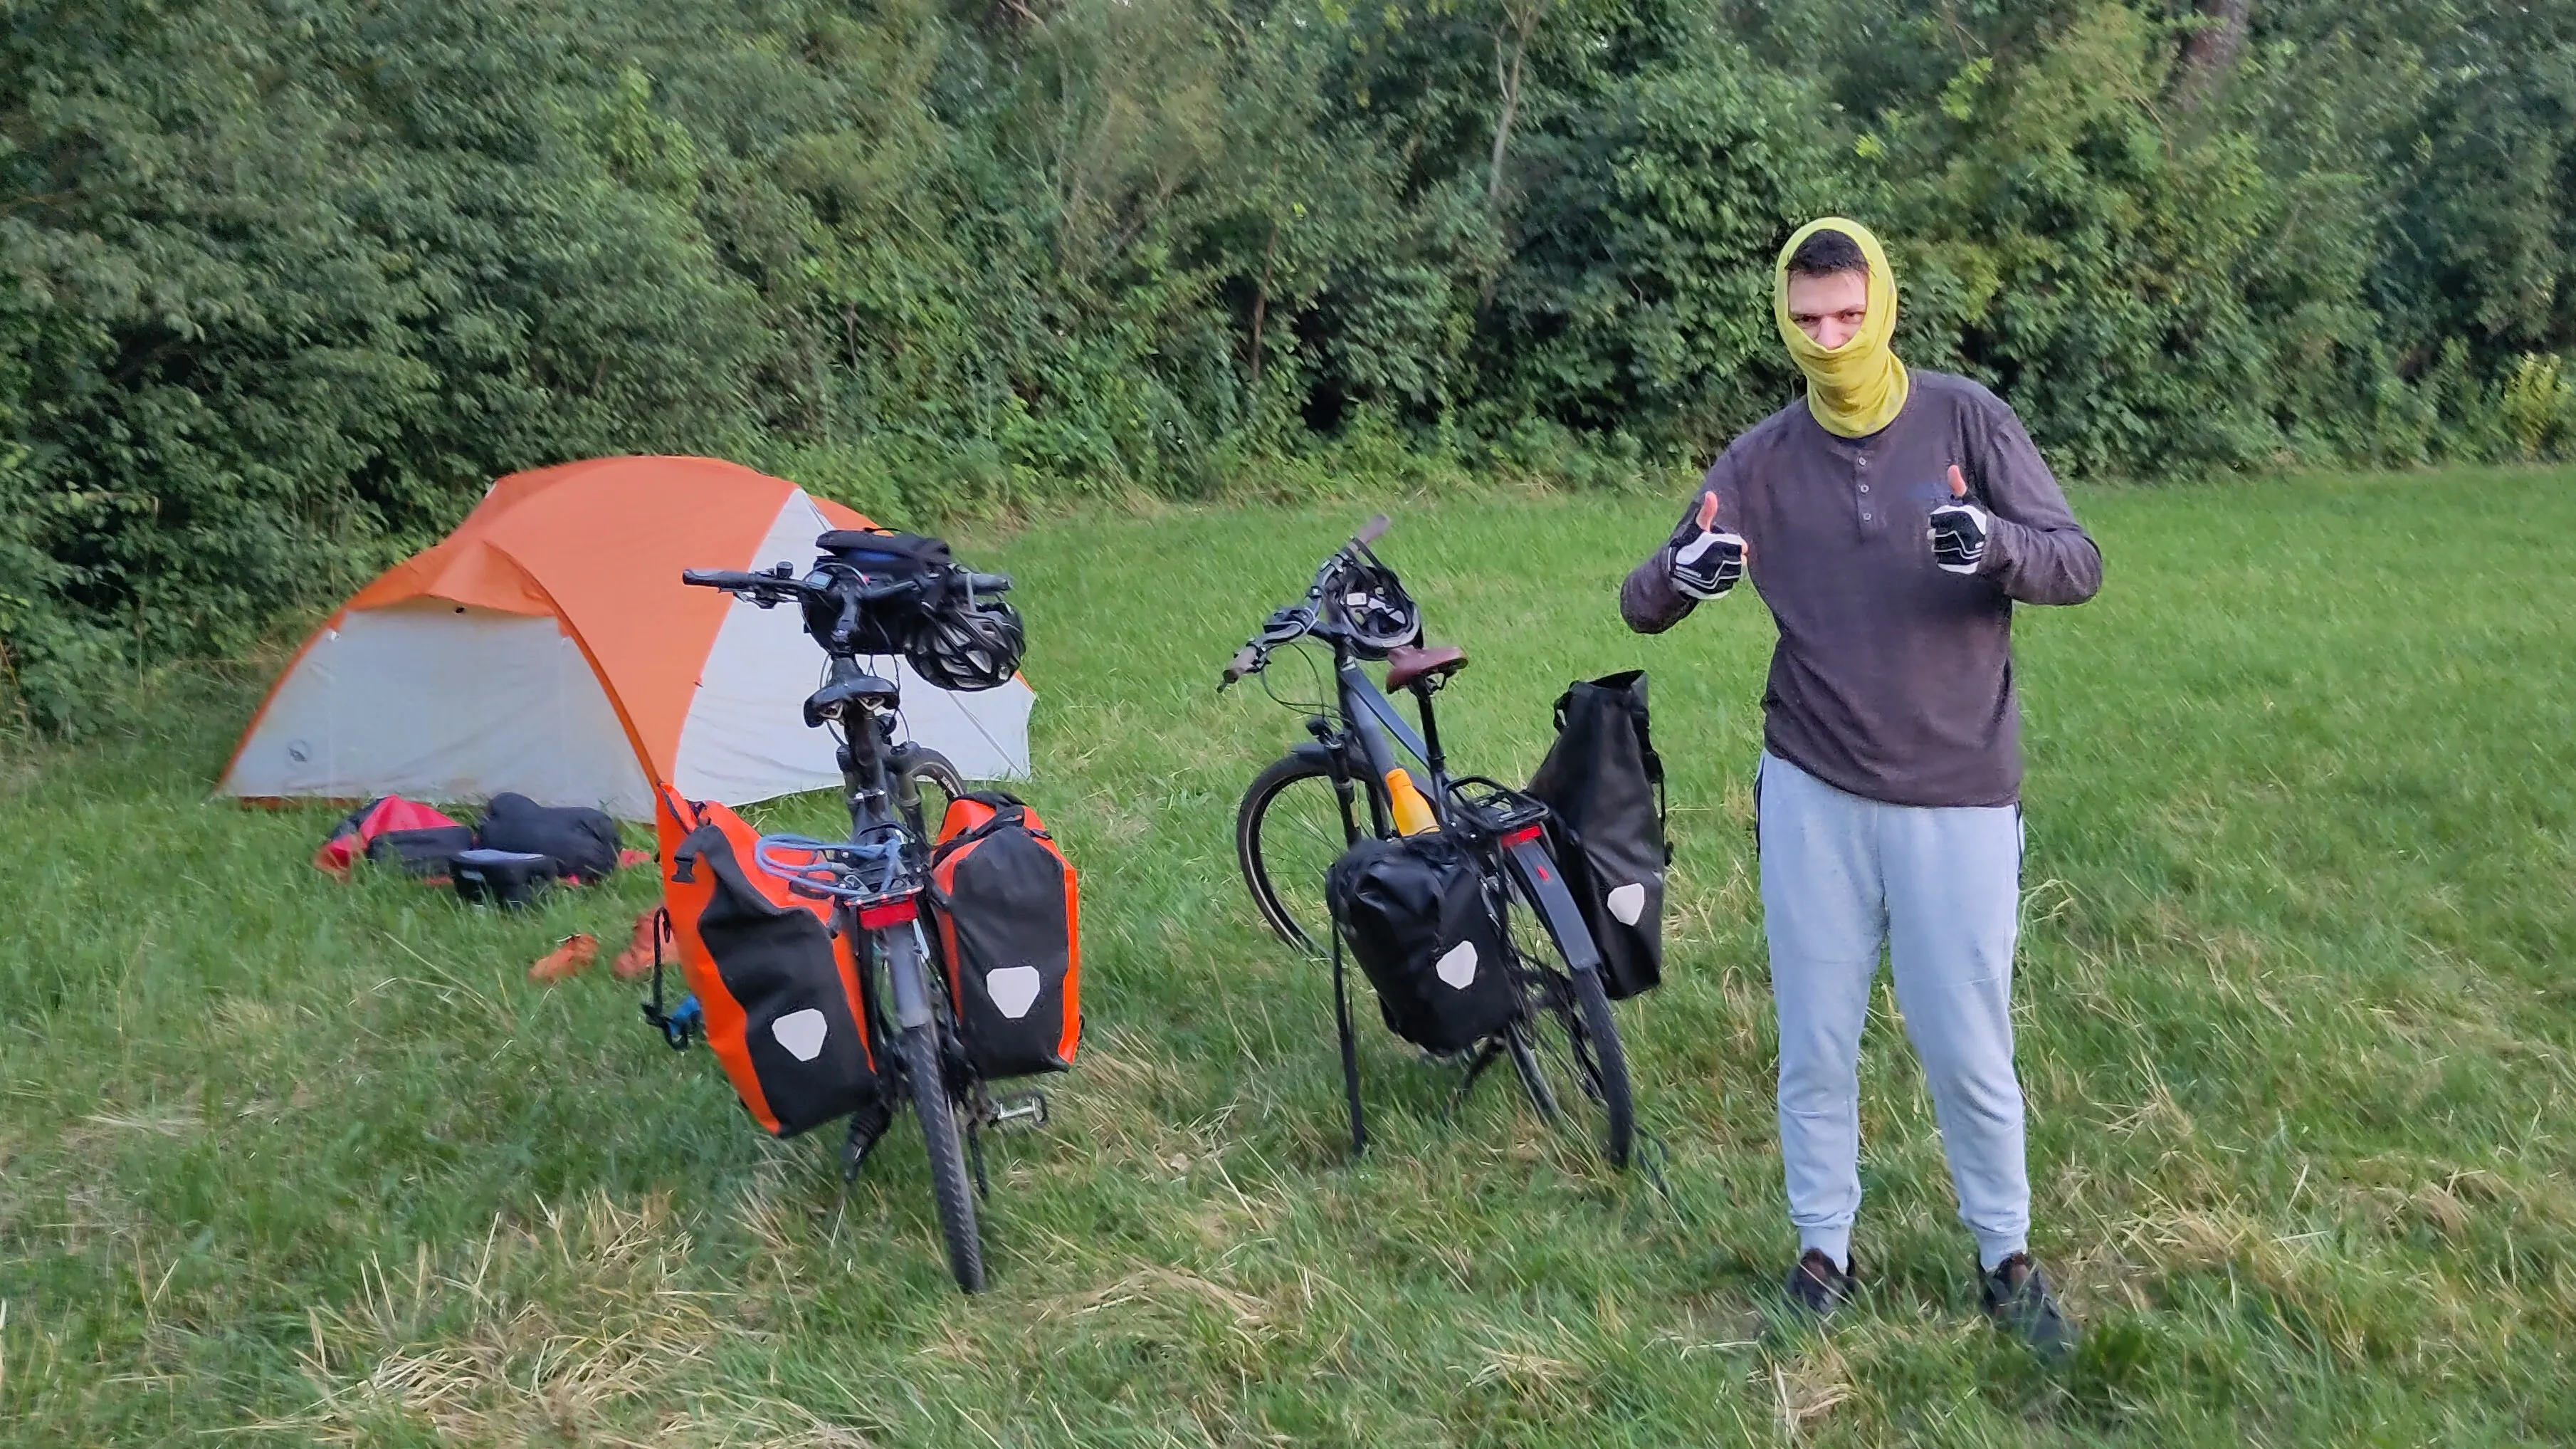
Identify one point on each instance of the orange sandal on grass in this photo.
(637, 959)
(565, 960)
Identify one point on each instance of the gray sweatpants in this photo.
(1940, 889)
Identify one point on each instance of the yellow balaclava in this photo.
(1858, 388)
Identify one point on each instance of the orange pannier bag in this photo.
(775, 977)
(1010, 935)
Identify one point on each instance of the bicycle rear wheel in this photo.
(1287, 832)
(1566, 1050)
(952, 1190)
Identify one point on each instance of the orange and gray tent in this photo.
(547, 646)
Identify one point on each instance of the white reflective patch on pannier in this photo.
(1457, 965)
(1014, 989)
(801, 1032)
(1628, 902)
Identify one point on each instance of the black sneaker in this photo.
(1818, 1286)
(2017, 1297)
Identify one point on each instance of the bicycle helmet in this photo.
(1372, 606)
(968, 645)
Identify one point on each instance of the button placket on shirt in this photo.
(1860, 472)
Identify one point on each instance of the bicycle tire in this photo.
(1264, 854)
(952, 1191)
(1569, 1006)
(918, 764)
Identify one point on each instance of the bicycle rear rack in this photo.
(1488, 807)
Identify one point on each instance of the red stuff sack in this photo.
(784, 1009)
(1010, 933)
(384, 815)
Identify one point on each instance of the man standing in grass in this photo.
(1890, 520)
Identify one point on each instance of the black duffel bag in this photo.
(1605, 784)
(424, 853)
(583, 840)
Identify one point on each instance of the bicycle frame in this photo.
(870, 788)
(1362, 741)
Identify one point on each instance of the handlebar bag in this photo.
(1604, 784)
(1415, 915)
(780, 989)
(585, 840)
(886, 554)
(1008, 912)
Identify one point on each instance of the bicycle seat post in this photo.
(1433, 755)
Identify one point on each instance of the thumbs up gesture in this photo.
(1707, 563)
(1959, 529)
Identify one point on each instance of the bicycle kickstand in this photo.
(1485, 1057)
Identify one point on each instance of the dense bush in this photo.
(283, 283)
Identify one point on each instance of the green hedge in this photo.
(284, 283)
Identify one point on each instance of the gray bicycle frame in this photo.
(1373, 721)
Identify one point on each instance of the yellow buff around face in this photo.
(1858, 388)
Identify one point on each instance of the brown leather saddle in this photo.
(1406, 664)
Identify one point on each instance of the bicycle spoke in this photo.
(1562, 1059)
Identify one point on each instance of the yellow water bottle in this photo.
(1412, 812)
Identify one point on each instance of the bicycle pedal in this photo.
(1023, 1113)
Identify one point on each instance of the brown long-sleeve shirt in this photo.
(1892, 679)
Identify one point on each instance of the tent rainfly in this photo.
(547, 646)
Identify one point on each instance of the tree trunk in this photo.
(1522, 21)
(1260, 306)
(2211, 49)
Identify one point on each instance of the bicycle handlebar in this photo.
(735, 581)
(1294, 622)
(849, 592)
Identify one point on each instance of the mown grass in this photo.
(317, 1162)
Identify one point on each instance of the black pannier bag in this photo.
(1605, 784)
(502, 877)
(584, 840)
(1414, 913)
(426, 853)
(1006, 907)
(784, 1007)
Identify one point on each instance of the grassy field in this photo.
(311, 1162)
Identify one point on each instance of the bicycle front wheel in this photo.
(1567, 1052)
(1287, 833)
(954, 1195)
(924, 784)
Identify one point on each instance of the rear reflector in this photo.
(888, 913)
(1522, 836)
